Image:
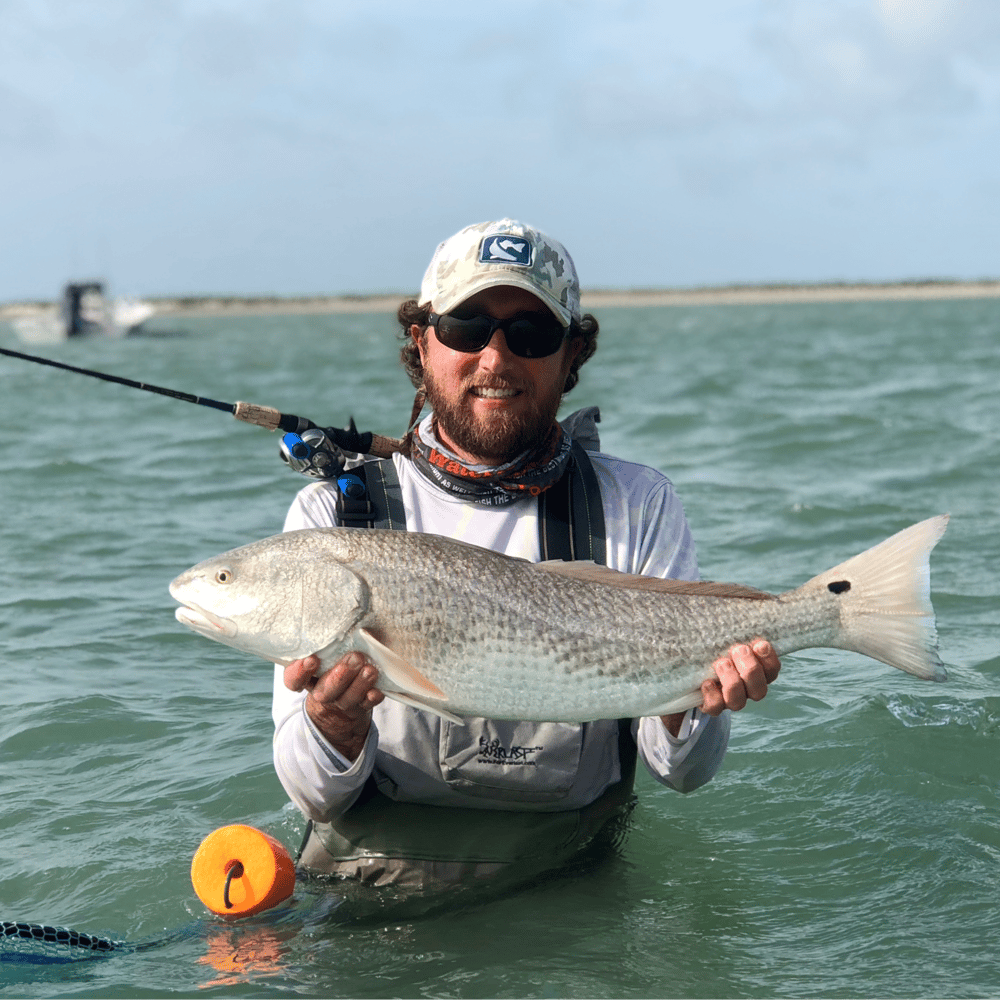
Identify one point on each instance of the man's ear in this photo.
(418, 334)
(575, 346)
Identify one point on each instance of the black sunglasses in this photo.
(528, 335)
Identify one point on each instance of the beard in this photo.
(504, 435)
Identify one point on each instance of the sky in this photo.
(315, 147)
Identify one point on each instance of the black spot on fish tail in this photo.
(840, 587)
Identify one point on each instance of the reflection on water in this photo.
(245, 954)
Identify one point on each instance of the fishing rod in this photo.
(314, 451)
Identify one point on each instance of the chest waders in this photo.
(383, 842)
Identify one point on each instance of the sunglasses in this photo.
(528, 335)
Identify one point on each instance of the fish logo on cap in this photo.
(505, 248)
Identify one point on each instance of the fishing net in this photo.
(41, 943)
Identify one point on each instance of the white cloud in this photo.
(215, 135)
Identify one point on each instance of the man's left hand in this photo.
(744, 675)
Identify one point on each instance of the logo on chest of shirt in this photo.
(494, 752)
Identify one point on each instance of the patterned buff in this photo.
(531, 473)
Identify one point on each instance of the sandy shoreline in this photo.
(205, 306)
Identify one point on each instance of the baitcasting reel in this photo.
(313, 454)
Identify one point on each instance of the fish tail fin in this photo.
(886, 611)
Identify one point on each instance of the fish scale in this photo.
(464, 631)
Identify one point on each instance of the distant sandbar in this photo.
(208, 305)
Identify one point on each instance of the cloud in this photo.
(215, 135)
(852, 65)
(862, 63)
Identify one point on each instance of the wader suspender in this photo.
(382, 506)
(571, 515)
(570, 527)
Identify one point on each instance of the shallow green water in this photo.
(850, 845)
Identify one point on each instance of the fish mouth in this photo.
(205, 622)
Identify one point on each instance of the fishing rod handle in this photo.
(270, 418)
(385, 447)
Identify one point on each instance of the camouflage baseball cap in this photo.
(502, 253)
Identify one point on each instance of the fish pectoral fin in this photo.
(590, 572)
(425, 706)
(417, 691)
(692, 699)
(403, 674)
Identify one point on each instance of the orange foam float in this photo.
(239, 871)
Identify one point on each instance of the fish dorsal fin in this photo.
(412, 687)
(589, 572)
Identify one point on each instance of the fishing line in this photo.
(346, 438)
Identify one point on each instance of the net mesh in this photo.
(24, 942)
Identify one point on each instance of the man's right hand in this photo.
(339, 702)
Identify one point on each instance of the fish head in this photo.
(273, 598)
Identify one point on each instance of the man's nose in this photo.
(496, 355)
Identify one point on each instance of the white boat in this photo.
(84, 311)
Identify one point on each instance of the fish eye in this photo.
(224, 576)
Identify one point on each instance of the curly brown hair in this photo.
(409, 313)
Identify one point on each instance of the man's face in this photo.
(492, 405)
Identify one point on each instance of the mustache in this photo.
(491, 382)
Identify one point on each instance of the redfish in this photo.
(463, 631)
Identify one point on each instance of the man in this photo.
(493, 343)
